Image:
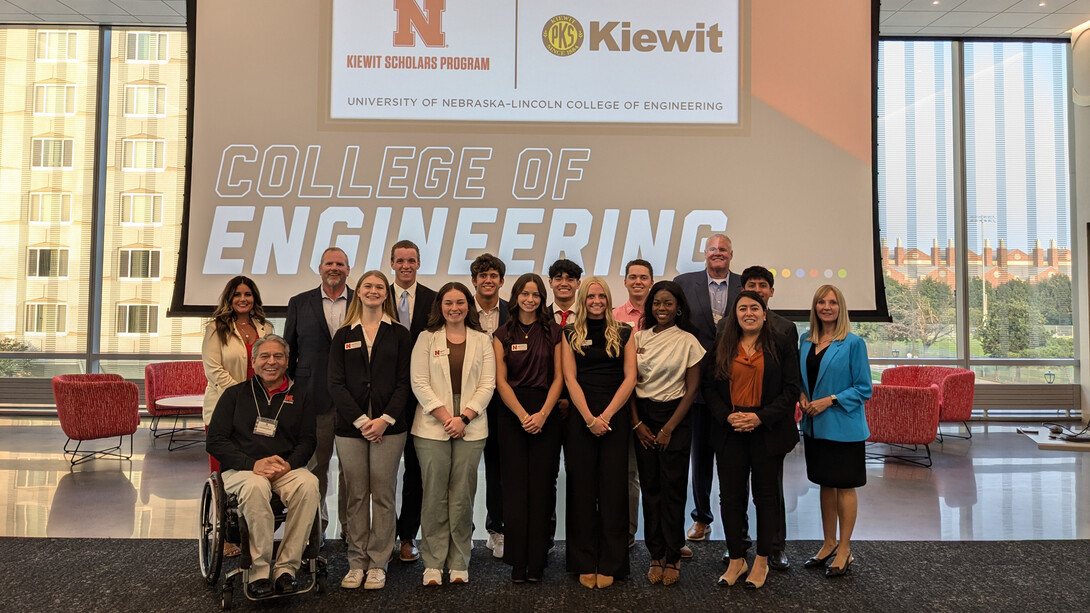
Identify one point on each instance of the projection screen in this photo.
(596, 130)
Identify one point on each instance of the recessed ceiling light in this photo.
(1040, 4)
(935, 2)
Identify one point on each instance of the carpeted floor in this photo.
(162, 575)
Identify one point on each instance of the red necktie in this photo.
(564, 318)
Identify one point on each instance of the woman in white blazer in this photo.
(453, 376)
(238, 321)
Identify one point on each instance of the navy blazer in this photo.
(695, 286)
(844, 371)
(779, 394)
(308, 346)
(377, 385)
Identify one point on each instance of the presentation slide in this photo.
(594, 130)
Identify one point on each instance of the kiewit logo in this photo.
(700, 39)
(562, 35)
(427, 21)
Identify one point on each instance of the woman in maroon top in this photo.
(528, 379)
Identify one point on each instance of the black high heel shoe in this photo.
(832, 571)
(816, 561)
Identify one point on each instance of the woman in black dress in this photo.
(600, 374)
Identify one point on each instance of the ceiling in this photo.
(945, 18)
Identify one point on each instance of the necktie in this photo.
(403, 309)
(564, 318)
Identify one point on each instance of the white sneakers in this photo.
(376, 579)
(495, 543)
(433, 576)
(353, 579)
(461, 576)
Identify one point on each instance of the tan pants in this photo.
(298, 489)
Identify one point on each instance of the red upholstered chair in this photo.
(955, 385)
(900, 416)
(165, 379)
(92, 407)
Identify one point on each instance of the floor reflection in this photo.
(996, 486)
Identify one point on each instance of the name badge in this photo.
(438, 353)
(265, 427)
(639, 351)
(519, 347)
(588, 343)
(353, 345)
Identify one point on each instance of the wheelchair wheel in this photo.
(213, 518)
(226, 596)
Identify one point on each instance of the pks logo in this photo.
(562, 35)
(426, 21)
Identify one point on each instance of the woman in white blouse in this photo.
(453, 377)
(668, 377)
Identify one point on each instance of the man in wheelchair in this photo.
(263, 433)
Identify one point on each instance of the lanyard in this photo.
(283, 401)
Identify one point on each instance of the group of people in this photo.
(695, 371)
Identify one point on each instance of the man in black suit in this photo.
(413, 302)
(709, 292)
(313, 318)
(759, 279)
(487, 273)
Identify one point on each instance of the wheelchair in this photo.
(221, 521)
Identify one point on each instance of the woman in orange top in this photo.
(751, 384)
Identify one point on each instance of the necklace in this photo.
(525, 330)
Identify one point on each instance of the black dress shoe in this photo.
(815, 561)
(261, 588)
(833, 571)
(286, 584)
(778, 561)
(518, 575)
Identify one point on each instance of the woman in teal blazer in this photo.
(835, 384)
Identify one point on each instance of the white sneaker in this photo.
(376, 579)
(353, 579)
(461, 576)
(433, 576)
(495, 543)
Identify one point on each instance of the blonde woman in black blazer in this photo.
(369, 362)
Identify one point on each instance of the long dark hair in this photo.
(681, 320)
(435, 318)
(726, 347)
(224, 314)
(540, 314)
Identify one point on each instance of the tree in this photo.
(1013, 327)
(16, 367)
(923, 314)
(1052, 296)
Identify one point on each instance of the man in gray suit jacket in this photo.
(759, 279)
(710, 293)
(313, 318)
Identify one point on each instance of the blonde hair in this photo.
(355, 308)
(579, 326)
(843, 325)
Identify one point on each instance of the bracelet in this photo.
(527, 418)
(590, 424)
(637, 426)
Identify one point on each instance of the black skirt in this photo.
(835, 463)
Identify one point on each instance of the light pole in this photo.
(980, 219)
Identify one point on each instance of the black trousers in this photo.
(530, 464)
(412, 491)
(703, 460)
(493, 486)
(597, 493)
(664, 474)
(743, 461)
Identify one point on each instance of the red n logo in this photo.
(428, 22)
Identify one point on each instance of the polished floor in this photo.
(996, 486)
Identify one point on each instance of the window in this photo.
(55, 100)
(146, 47)
(144, 154)
(43, 263)
(52, 153)
(137, 319)
(139, 264)
(50, 207)
(141, 209)
(44, 318)
(145, 101)
(56, 46)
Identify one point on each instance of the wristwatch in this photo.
(465, 419)
(836, 402)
